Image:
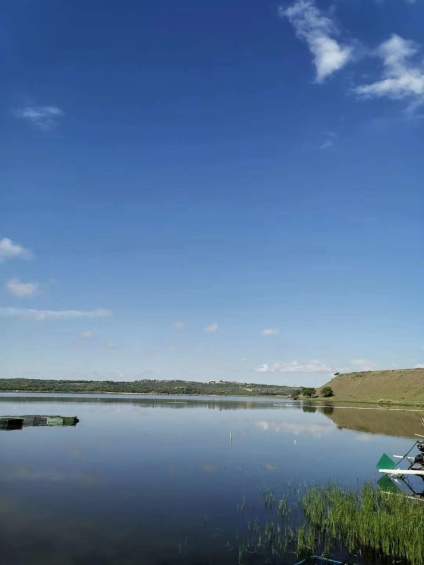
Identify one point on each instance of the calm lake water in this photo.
(148, 480)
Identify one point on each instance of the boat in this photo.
(401, 470)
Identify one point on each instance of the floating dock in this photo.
(18, 422)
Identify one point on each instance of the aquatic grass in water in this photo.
(370, 526)
(383, 525)
(267, 543)
(269, 500)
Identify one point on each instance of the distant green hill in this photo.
(144, 387)
(404, 385)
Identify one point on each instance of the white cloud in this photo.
(41, 315)
(401, 78)
(212, 328)
(88, 334)
(179, 326)
(313, 366)
(270, 331)
(21, 289)
(329, 140)
(42, 117)
(362, 365)
(12, 250)
(319, 32)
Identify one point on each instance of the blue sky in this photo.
(211, 189)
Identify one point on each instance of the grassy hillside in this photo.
(405, 385)
(144, 387)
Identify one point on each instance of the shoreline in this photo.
(315, 402)
(381, 404)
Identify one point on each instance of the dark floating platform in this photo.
(18, 422)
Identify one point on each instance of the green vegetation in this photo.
(303, 392)
(144, 387)
(270, 542)
(308, 392)
(371, 524)
(327, 392)
(385, 387)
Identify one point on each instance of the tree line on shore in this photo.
(145, 386)
(309, 392)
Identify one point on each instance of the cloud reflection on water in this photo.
(297, 429)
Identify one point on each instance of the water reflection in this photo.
(309, 407)
(218, 403)
(294, 428)
(385, 421)
(148, 480)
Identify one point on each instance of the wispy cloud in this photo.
(212, 328)
(402, 78)
(320, 33)
(42, 117)
(11, 250)
(313, 366)
(41, 315)
(329, 140)
(21, 289)
(270, 331)
(179, 326)
(360, 364)
(88, 334)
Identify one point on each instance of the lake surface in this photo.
(148, 480)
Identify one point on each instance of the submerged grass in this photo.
(267, 543)
(370, 521)
(368, 526)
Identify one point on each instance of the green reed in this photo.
(370, 521)
(371, 524)
(270, 540)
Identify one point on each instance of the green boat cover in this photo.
(386, 462)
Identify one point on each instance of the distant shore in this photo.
(340, 402)
(313, 403)
(163, 387)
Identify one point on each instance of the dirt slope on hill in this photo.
(405, 385)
